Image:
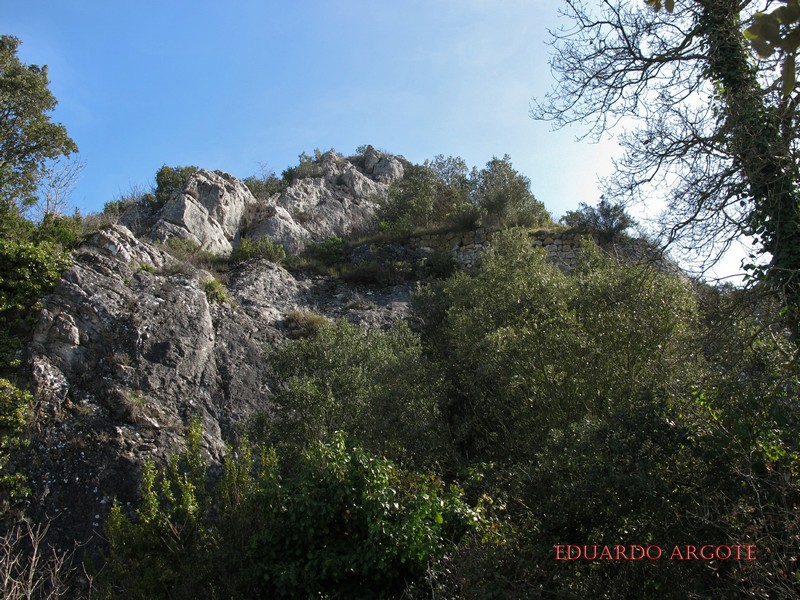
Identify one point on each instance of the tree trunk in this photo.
(753, 131)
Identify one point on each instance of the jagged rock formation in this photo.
(129, 350)
(215, 209)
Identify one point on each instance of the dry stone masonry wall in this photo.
(562, 247)
(466, 247)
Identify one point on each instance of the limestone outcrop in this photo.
(208, 211)
(215, 209)
(129, 349)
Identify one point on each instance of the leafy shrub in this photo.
(65, 232)
(608, 221)
(443, 193)
(189, 251)
(514, 308)
(308, 167)
(264, 188)
(265, 185)
(419, 200)
(160, 553)
(375, 386)
(338, 520)
(27, 271)
(215, 291)
(169, 181)
(115, 208)
(260, 248)
(330, 252)
(506, 197)
(14, 406)
(441, 264)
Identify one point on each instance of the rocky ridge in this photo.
(129, 348)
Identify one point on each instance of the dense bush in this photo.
(14, 407)
(215, 291)
(443, 193)
(169, 181)
(27, 270)
(530, 349)
(330, 252)
(265, 185)
(307, 167)
(263, 247)
(614, 405)
(339, 521)
(505, 196)
(607, 221)
(374, 385)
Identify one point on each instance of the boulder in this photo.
(208, 211)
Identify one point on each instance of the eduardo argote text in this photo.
(655, 552)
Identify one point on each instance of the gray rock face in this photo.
(129, 350)
(216, 209)
(208, 211)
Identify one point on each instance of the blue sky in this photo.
(232, 85)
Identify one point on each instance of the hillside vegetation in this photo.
(323, 411)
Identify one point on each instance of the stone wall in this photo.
(467, 246)
(562, 248)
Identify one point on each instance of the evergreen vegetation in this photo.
(519, 410)
(442, 193)
(615, 405)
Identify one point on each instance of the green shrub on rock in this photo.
(338, 520)
(261, 248)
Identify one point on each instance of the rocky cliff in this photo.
(130, 347)
(133, 344)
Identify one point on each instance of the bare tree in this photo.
(58, 180)
(31, 571)
(705, 124)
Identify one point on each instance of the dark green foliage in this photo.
(339, 522)
(117, 207)
(27, 136)
(264, 185)
(443, 193)
(263, 247)
(330, 252)
(505, 196)
(161, 553)
(418, 200)
(31, 257)
(374, 385)
(169, 181)
(617, 331)
(615, 405)
(65, 232)
(308, 167)
(14, 407)
(607, 221)
(440, 265)
(27, 270)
